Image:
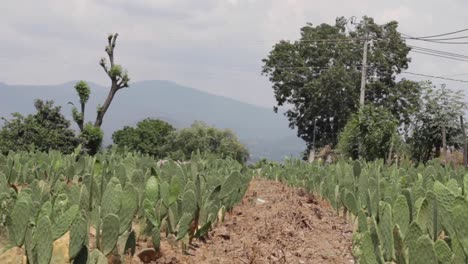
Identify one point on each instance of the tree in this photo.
(150, 136)
(318, 76)
(438, 116)
(118, 76)
(370, 134)
(119, 80)
(206, 139)
(46, 129)
(84, 92)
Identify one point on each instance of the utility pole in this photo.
(363, 72)
(312, 151)
(465, 144)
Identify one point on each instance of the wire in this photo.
(439, 35)
(435, 77)
(441, 52)
(440, 56)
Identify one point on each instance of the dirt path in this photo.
(274, 224)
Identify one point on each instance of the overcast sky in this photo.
(212, 45)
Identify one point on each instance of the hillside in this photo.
(264, 132)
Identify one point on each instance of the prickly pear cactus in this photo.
(400, 255)
(350, 202)
(386, 231)
(445, 199)
(184, 225)
(401, 214)
(443, 252)
(64, 222)
(110, 233)
(414, 232)
(460, 223)
(44, 247)
(156, 238)
(19, 222)
(362, 222)
(230, 184)
(97, 257)
(111, 199)
(423, 251)
(78, 236)
(129, 207)
(189, 202)
(152, 189)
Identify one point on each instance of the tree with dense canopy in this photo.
(46, 129)
(318, 76)
(150, 136)
(370, 134)
(161, 140)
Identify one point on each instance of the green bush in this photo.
(369, 134)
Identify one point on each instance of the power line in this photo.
(440, 56)
(438, 35)
(435, 77)
(441, 52)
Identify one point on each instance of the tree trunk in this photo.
(465, 144)
(389, 159)
(312, 154)
(444, 144)
(103, 109)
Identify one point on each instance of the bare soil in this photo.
(273, 224)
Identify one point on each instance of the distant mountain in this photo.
(265, 133)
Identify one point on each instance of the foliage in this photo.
(44, 130)
(369, 134)
(405, 214)
(150, 136)
(91, 137)
(124, 197)
(319, 76)
(206, 139)
(439, 107)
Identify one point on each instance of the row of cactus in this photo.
(402, 214)
(100, 206)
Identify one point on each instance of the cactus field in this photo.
(57, 208)
(401, 214)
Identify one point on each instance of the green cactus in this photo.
(386, 230)
(156, 238)
(129, 207)
(445, 200)
(452, 185)
(409, 201)
(414, 232)
(423, 251)
(401, 214)
(367, 255)
(44, 247)
(424, 216)
(78, 236)
(64, 222)
(459, 254)
(97, 257)
(30, 244)
(164, 192)
(111, 199)
(400, 256)
(362, 222)
(189, 202)
(184, 225)
(443, 252)
(460, 223)
(350, 202)
(110, 233)
(19, 221)
(152, 189)
(230, 184)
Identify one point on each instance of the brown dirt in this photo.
(290, 226)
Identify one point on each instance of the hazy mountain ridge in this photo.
(265, 133)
